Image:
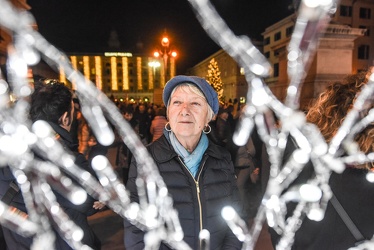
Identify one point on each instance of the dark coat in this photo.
(77, 213)
(217, 182)
(354, 193)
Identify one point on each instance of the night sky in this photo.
(85, 25)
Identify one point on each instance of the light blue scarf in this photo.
(192, 160)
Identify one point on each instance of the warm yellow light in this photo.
(62, 75)
(154, 64)
(174, 54)
(165, 41)
(74, 63)
(125, 74)
(98, 70)
(113, 67)
(172, 67)
(156, 54)
(86, 67)
(139, 72)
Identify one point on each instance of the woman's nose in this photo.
(185, 109)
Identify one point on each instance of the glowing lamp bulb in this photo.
(165, 41)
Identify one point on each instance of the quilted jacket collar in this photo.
(162, 151)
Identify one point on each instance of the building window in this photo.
(289, 31)
(277, 36)
(276, 69)
(367, 33)
(267, 41)
(363, 52)
(267, 54)
(365, 13)
(345, 10)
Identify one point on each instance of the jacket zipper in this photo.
(197, 189)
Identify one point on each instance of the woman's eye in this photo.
(196, 104)
(176, 102)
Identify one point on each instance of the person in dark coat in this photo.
(124, 154)
(348, 219)
(198, 173)
(52, 102)
(225, 132)
(141, 116)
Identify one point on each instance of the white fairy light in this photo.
(228, 213)
(21, 178)
(78, 234)
(41, 129)
(156, 209)
(370, 177)
(310, 193)
(316, 214)
(3, 87)
(99, 162)
(78, 197)
(55, 209)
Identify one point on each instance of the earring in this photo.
(167, 127)
(207, 129)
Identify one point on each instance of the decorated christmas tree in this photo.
(214, 78)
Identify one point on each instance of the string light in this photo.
(156, 214)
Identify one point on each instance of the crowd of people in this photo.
(190, 138)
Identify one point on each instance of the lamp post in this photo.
(166, 53)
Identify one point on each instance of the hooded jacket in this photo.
(198, 200)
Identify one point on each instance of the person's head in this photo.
(191, 103)
(128, 114)
(141, 108)
(161, 112)
(223, 113)
(330, 109)
(52, 101)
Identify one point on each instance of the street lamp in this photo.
(165, 52)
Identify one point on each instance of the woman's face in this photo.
(187, 114)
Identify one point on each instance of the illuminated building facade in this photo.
(122, 75)
(346, 47)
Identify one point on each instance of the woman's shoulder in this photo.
(161, 150)
(217, 151)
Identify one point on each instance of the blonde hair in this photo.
(332, 106)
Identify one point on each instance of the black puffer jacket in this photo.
(199, 200)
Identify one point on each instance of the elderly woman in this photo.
(199, 174)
